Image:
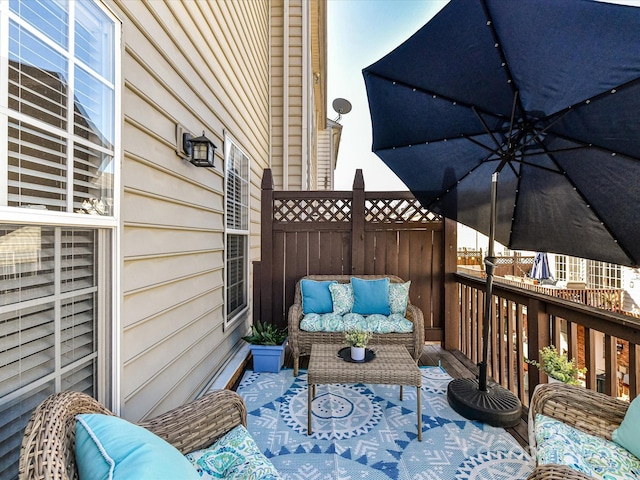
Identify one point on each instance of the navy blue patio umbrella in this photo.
(543, 95)
(540, 269)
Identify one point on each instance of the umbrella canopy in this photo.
(542, 95)
(541, 270)
(545, 92)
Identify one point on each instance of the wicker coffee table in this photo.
(392, 365)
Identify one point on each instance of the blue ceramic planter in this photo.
(268, 358)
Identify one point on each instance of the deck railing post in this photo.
(539, 336)
(357, 224)
(610, 366)
(266, 247)
(634, 368)
(451, 311)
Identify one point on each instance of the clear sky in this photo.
(359, 33)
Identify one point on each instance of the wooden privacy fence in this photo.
(469, 257)
(516, 265)
(353, 232)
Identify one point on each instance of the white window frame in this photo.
(604, 274)
(105, 225)
(570, 269)
(229, 145)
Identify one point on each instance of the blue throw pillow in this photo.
(110, 448)
(316, 296)
(626, 435)
(370, 296)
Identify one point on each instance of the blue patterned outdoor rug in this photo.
(365, 431)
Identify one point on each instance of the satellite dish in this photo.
(342, 106)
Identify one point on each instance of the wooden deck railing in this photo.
(524, 321)
(605, 298)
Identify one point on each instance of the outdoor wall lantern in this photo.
(198, 150)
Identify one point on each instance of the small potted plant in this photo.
(557, 366)
(267, 346)
(357, 340)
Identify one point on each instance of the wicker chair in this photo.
(300, 341)
(592, 412)
(48, 444)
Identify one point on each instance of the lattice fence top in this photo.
(510, 260)
(384, 210)
(301, 210)
(376, 210)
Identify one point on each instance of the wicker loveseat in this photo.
(48, 445)
(300, 341)
(592, 412)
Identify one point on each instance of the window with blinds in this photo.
(61, 88)
(48, 322)
(237, 223)
(60, 76)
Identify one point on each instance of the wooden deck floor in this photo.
(455, 364)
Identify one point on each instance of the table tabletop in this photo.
(392, 365)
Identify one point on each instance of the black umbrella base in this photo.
(497, 406)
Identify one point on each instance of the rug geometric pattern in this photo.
(365, 431)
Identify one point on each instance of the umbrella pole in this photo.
(490, 264)
(475, 399)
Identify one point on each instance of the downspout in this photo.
(270, 89)
(285, 97)
(332, 161)
(306, 54)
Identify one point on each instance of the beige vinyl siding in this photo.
(277, 91)
(211, 76)
(288, 157)
(296, 157)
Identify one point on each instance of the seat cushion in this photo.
(233, 456)
(330, 322)
(592, 455)
(110, 448)
(394, 323)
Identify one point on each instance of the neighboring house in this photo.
(125, 271)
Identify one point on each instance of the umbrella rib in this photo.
(435, 94)
(488, 130)
(591, 145)
(584, 103)
(482, 145)
(503, 58)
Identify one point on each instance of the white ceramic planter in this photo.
(357, 353)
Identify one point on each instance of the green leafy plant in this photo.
(263, 333)
(558, 366)
(357, 338)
